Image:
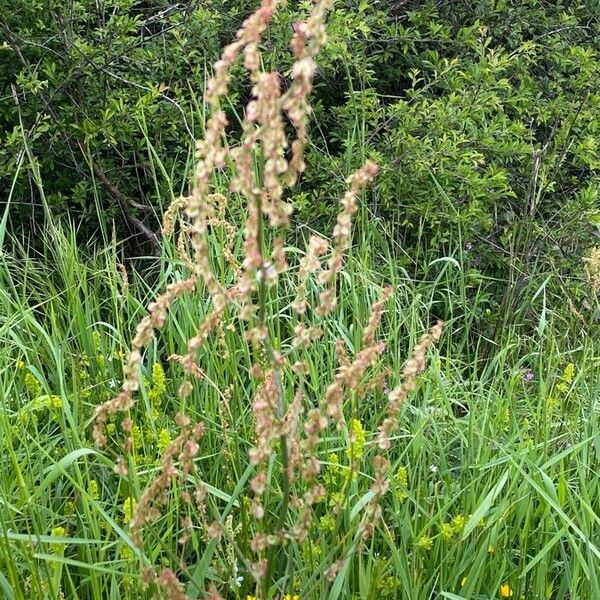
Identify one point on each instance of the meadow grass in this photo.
(482, 484)
(495, 466)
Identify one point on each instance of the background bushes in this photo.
(484, 117)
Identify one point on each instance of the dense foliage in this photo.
(483, 116)
(236, 407)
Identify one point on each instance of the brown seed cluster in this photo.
(410, 371)
(157, 315)
(263, 165)
(171, 586)
(176, 465)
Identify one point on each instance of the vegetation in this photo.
(258, 409)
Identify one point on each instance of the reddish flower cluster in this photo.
(278, 426)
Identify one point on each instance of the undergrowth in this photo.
(289, 420)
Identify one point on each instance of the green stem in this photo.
(281, 408)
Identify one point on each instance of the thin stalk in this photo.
(281, 408)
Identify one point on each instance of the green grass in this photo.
(493, 484)
(508, 464)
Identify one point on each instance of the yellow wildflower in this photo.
(566, 378)
(337, 499)
(93, 489)
(458, 523)
(128, 508)
(447, 531)
(58, 547)
(424, 543)
(402, 477)
(505, 591)
(33, 385)
(569, 373)
(136, 436)
(491, 549)
(164, 439)
(401, 484)
(327, 522)
(127, 553)
(52, 403)
(159, 385)
(357, 440)
(463, 582)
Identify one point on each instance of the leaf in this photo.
(360, 505)
(9, 594)
(485, 506)
(55, 471)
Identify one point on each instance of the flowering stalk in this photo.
(263, 144)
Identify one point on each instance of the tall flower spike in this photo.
(306, 42)
(157, 315)
(410, 371)
(342, 234)
(309, 263)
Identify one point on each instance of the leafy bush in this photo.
(483, 117)
(96, 90)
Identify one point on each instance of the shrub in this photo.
(484, 119)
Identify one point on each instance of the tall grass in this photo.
(489, 487)
(510, 448)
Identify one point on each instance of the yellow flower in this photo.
(357, 440)
(127, 553)
(164, 439)
(136, 436)
(463, 582)
(491, 549)
(33, 385)
(402, 477)
(159, 385)
(290, 597)
(337, 499)
(250, 597)
(52, 403)
(327, 522)
(94, 489)
(569, 373)
(458, 523)
(424, 543)
(401, 484)
(506, 591)
(128, 509)
(58, 547)
(447, 531)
